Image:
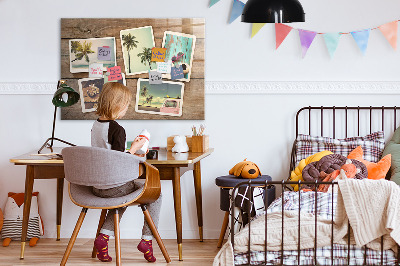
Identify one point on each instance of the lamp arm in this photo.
(54, 126)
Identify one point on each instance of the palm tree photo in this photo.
(145, 56)
(130, 42)
(143, 93)
(81, 50)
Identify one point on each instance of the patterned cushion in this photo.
(372, 144)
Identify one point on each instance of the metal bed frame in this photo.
(283, 184)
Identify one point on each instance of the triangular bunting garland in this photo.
(256, 27)
(281, 31)
(332, 41)
(237, 9)
(213, 2)
(361, 37)
(306, 39)
(389, 30)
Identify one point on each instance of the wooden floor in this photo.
(50, 252)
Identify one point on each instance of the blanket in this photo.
(371, 207)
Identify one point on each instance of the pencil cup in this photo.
(200, 143)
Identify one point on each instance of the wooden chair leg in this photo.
(101, 222)
(154, 230)
(73, 237)
(223, 229)
(117, 238)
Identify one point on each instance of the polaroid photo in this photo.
(83, 52)
(89, 90)
(137, 45)
(160, 99)
(180, 47)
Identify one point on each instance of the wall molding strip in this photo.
(243, 87)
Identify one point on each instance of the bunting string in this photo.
(361, 37)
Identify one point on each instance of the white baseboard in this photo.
(247, 87)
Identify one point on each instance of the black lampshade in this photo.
(273, 11)
(71, 99)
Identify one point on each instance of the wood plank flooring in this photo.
(50, 252)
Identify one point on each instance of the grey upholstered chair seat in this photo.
(83, 196)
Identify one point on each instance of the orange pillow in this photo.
(375, 170)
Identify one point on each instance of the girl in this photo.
(113, 103)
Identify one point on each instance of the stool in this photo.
(226, 183)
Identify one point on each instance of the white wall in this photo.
(259, 127)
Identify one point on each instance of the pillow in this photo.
(393, 148)
(372, 144)
(296, 174)
(375, 170)
(329, 164)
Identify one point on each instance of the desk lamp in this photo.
(64, 96)
(273, 11)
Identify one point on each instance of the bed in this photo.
(312, 210)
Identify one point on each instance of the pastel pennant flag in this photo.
(332, 41)
(389, 30)
(361, 37)
(213, 2)
(306, 39)
(237, 9)
(281, 31)
(256, 27)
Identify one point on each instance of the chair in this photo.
(85, 167)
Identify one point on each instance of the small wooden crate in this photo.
(200, 143)
(171, 143)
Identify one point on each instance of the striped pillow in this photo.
(372, 145)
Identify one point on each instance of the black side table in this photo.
(226, 183)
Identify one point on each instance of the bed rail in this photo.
(265, 185)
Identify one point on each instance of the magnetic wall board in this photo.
(90, 28)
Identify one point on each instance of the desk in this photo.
(169, 165)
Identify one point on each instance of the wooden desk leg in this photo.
(199, 204)
(27, 206)
(60, 190)
(176, 182)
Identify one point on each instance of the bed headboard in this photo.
(344, 121)
(345, 117)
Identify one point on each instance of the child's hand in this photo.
(137, 144)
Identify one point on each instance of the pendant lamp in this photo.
(273, 11)
(63, 97)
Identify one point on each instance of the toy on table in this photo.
(13, 215)
(180, 144)
(245, 169)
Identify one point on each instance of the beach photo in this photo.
(89, 89)
(180, 50)
(161, 99)
(136, 49)
(83, 52)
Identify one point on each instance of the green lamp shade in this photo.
(71, 96)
